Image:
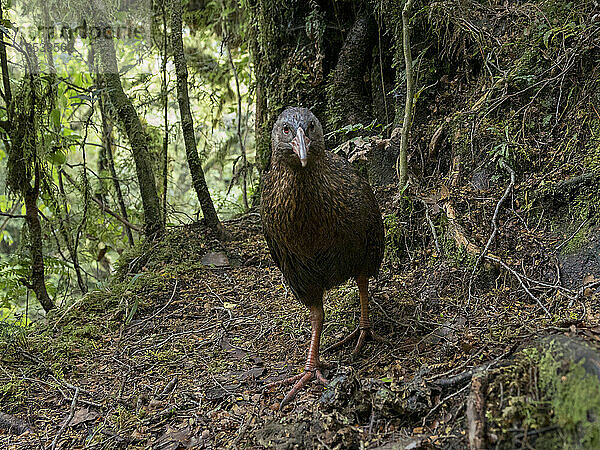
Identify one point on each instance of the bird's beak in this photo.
(300, 145)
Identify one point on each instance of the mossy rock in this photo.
(549, 398)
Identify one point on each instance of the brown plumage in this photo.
(322, 225)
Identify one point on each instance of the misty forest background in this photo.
(130, 177)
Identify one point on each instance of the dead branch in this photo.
(68, 420)
(507, 191)
(102, 206)
(518, 277)
(444, 400)
(11, 216)
(433, 232)
(147, 319)
(476, 406)
(566, 241)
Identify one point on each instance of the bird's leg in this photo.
(313, 363)
(365, 327)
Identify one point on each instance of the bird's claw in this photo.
(362, 333)
(300, 381)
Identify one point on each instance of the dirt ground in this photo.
(176, 352)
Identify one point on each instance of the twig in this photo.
(558, 247)
(518, 277)
(460, 378)
(435, 238)
(494, 222)
(168, 338)
(12, 216)
(103, 207)
(68, 421)
(444, 400)
(160, 310)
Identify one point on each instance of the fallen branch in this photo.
(456, 380)
(67, 421)
(518, 277)
(444, 400)
(566, 241)
(507, 191)
(476, 406)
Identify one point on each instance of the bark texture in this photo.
(108, 144)
(349, 95)
(187, 124)
(153, 223)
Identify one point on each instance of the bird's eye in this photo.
(311, 126)
(286, 129)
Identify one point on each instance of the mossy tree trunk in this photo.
(349, 100)
(23, 174)
(38, 278)
(187, 123)
(108, 144)
(138, 139)
(402, 162)
(290, 61)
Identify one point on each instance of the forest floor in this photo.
(175, 352)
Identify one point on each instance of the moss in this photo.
(12, 392)
(545, 392)
(395, 233)
(575, 400)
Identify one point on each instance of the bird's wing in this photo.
(274, 249)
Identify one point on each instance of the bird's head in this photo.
(297, 138)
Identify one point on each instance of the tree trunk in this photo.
(165, 98)
(402, 162)
(187, 123)
(5, 74)
(349, 96)
(108, 144)
(23, 166)
(153, 223)
(244, 169)
(38, 279)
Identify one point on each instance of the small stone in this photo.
(217, 259)
(205, 434)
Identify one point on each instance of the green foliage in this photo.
(13, 269)
(64, 129)
(395, 235)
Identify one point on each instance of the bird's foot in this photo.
(300, 380)
(362, 333)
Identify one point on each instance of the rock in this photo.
(216, 259)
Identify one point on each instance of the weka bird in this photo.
(322, 225)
